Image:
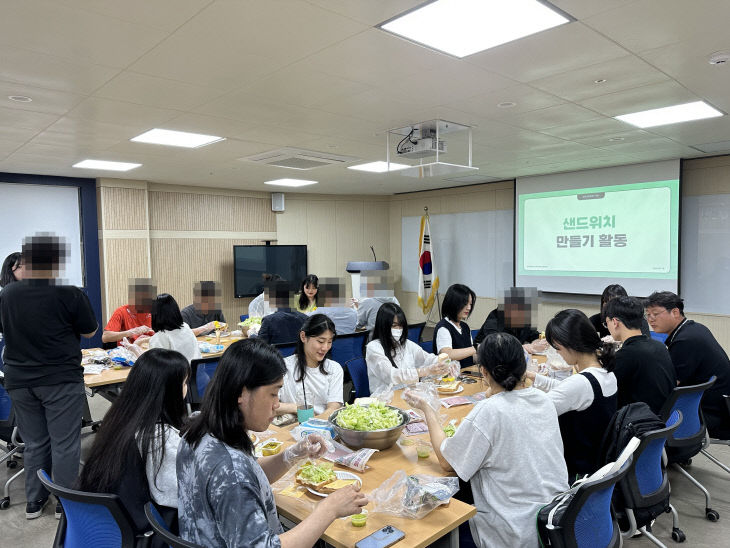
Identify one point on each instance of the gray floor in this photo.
(15, 530)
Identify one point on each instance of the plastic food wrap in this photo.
(412, 496)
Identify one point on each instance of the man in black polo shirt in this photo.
(42, 321)
(696, 355)
(643, 367)
(205, 310)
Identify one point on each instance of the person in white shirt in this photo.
(508, 448)
(394, 359)
(311, 377)
(138, 441)
(586, 401)
(171, 332)
(452, 335)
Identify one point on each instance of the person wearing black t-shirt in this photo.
(696, 355)
(611, 291)
(643, 367)
(42, 322)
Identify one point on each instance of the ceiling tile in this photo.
(581, 9)
(590, 129)
(526, 98)
(119, 112)
(648, 97)
(25, 119)
(553, 117)
(371, 12)
(44, 100)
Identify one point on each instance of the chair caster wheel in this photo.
(711, 515)
(12, 464)
(95, 428)
(678, 535)
(5, 503)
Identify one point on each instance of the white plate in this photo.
(340, 475)
(543, 353)
(460, 389)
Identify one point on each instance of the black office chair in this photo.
(160, 528)
(689, 439)
(202, 371)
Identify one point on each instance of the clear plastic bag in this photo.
(413, 496)
(428, 392)
(384, 395)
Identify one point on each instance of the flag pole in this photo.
(438, 303)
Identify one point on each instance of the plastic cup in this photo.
(304, 413)
(423, 450)
(359, 520)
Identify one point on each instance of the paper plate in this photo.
(340, 475)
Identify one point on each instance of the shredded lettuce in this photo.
(449, 430)
(376, 416)
(316, 473)
(250, 321)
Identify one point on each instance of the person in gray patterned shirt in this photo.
(224, 493)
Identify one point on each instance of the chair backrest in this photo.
(91, 519)
(661, 337)
(646, 482)
(285, 349)
(201, 372)
(161, 530)
(588, 521)
(415, 331)
(349, 346)
(359, 372)
(686, 399)
(427, 346)
(244, 317)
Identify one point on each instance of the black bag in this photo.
(630, 421)
(550, 517)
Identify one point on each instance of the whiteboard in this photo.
(28, 209)
(469, 248)
(705, 253)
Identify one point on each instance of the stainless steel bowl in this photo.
(374, 439)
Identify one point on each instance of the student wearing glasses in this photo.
(696, 356)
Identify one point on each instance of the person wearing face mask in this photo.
(309, 374)
(394, 359)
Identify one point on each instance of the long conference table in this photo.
(440, 527)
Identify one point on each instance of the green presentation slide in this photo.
(629, 230)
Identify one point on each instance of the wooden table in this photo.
(442, 523)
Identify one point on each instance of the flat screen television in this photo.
(252, 264)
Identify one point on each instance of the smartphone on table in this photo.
(382, 538)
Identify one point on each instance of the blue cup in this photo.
(304, 413)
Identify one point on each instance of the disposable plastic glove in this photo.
(311, 447)
(438, 369)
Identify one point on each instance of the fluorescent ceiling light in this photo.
(378, 167)
(290, 182)
(105, 165)
(670, 115)
(464, 27)
(176, 138)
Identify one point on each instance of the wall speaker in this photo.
(277, 201)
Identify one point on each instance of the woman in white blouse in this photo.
(310, 376)
(171, 332)
(394, 359)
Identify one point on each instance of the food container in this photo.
(374, 439)
(271, 448)
(359, 520)
(423, 449)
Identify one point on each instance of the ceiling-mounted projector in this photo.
(422, 148)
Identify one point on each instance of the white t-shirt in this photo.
(443, 337)
(576, 393)
(164, 490)
(510, 450)
(183, 340)
(321, 389)
(408, 358)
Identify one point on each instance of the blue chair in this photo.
(92, 519)
(690, 437)
(161, 530)
(201, 372)
(9, 434)
(427, 346)
(661, 337)
(244, 317)
(646, 483)
(359, 372)
(415, 331)
(285, 349)
(348, 347)
(587, 521)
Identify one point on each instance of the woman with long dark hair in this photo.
(508, 448)
(135, 448)
(307, 300)
(310, 375)
(586, 401)
(12, 269)
(452, 335)
(394, 359)
(171, 331)
(225, 496)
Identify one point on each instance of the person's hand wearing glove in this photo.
(311, 447)
(438, 369)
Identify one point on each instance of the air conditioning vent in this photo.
(297, 158)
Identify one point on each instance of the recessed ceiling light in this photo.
(686, 112)
(464, 27)
(719, 58)
(614, 139)
(176, 138)
(106, 165)
(600, 81)
(290, 182)
(378, 167)
(20, 98)
(507, 104)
